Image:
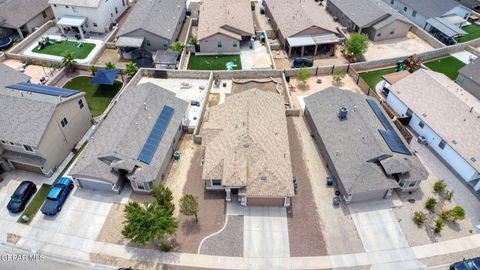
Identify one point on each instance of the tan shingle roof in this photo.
(246, 138)
(294, 16)
(229, 17)
(452, 112)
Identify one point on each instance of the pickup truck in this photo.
(57, 196)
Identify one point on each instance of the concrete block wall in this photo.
(424, 35)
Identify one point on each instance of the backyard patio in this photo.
(98, 95)
(214, 62)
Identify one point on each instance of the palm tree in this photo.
(193, 40)
(110, 66)
(131, 69)
(69, 60)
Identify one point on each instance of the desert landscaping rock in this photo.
(228, 242)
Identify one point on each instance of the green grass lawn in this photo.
(448, 66)
(372, 78)
(58, 49)
(35, 203)
(473, 31)
(213, 62)
(98, 96)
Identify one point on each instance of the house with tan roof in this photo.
(223, 25)
(247, 150)
(303, 27)
(446, 115)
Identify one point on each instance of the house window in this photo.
(412, 184)
(421, 124)
(392, 1)
(379, 34)
(392, 32)
(414, 13)
(123, 2)
(147, 42)
(116, 10)
(141, 185)
(95, 25)
(216, 183)
(4, 142)
(409, 112)
(66, 6)
(219, 44)
(111, 15)
(460, 79)
(80, 104)
(235, 44)
(442, 144)
(28, 148)
(55, 5)
(165, 44)
(44, 14)
(64, 122)
(11, 143)
(75, 9)
(405, 9)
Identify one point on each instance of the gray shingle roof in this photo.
(472, 71)
(159, 17)
(355, 145)
(120, 138)
(15, 13)
(25, 116)
(365, 12)
(431, 8)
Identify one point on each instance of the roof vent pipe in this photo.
(342, 112)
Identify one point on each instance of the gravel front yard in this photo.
(211, 216)
(228, 242)
(304, 225)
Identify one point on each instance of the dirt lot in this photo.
(212, 210)
(304, 225)
(111, 55)
(411, 44)
(269, 86)
(337, 226)
(298, 90)
(283, 62)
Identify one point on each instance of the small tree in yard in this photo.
(177, 47)
(68, 60)
(189, 206)
(431, 203)
(131, 69)
(438, 225)
(92, 69)
(419, 218)
(148, 223)
(439, 186)
(252, 5)
(338, 76)
(457, 213)
(163, 196)
(303, 75)
(110, 66)
(357, 44)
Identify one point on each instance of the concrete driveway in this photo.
(379, 231)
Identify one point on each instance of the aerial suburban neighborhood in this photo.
(240, 134)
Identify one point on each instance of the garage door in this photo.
(95, 185)
(28, 168)
(265, 201)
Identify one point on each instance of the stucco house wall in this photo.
(396, 29)
(210, 44)
(468, 84)
(39, 20)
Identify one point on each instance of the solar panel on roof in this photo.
(43, 89)
(156, 135)
(390, 136)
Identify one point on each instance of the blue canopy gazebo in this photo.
(105, 76)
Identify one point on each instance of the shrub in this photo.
(110, 66)
(431, 203)
(92, 69)
(449, 195)
(303, 75)
(438, 225)
(177, 47)
(457, 213)
(445, 214)
(193, 40)
(339, 75)
(131, 69)
(252, 5)
(440, 186)
(419, 218)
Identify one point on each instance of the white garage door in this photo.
(95, 185)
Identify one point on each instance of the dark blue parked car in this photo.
(469, 264)
(57, 196)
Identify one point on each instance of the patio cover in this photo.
(132, 42)
(326, 39)
(73, 21)
(104, 76)
(300, 41)
(164, 57)
(445, 27)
